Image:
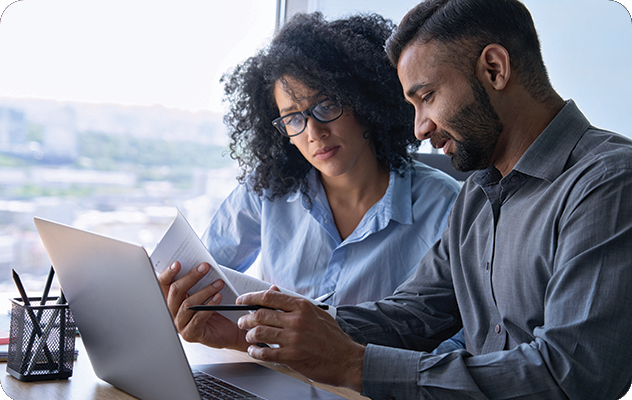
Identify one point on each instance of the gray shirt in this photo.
(536, 266)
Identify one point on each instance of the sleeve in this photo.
(581, 351)
(421, 313)
(233, 236)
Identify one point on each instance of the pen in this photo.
(49, 281)
(29, 311)
(240, 307)
(325, 297)
(43, 300)
(18, 283)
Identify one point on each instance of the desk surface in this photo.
(84, 384)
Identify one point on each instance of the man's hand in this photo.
(206, 327)
(309, 339)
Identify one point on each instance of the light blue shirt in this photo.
(301, 249)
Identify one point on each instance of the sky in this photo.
(134, 52)
(173, 52)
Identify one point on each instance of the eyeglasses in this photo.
(293, 124)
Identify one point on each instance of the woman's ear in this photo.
(494, 67)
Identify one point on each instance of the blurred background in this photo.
(111, 111)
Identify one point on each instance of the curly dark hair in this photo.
(343, 60)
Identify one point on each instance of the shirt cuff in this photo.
(389, 373)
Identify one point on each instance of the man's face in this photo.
(451, 109)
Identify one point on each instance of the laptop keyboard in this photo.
(212, 388)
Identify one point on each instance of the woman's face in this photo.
(334, 148)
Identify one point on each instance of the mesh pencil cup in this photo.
(42, 340)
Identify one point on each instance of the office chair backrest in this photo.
(442, 163)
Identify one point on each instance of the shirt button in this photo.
(515, 179)
(498, 328)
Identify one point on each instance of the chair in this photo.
(442, 163)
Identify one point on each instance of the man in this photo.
(534, 264)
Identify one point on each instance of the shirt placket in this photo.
(334, 268)
(495, 338)
(325, 219)
(497, 194)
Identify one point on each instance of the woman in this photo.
(329, 197)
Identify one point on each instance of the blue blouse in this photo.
(301, 249)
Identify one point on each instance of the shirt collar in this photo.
(292, 197)
(314, 190)
(400, 199)
(396, 204)
(549, 153)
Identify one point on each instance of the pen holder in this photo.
(41, 341)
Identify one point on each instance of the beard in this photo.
(479, 127)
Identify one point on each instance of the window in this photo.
(586, 45)
(111, 116)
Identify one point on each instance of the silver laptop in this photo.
(127, 330)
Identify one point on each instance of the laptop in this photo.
(128, 332)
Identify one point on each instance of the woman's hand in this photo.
(206, 327)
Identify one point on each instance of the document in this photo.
(181, 243)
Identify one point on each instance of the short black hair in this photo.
(343, 60)
(468, 26)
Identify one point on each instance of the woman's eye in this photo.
(293, 121)
(327, 106)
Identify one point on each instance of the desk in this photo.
(84, 384)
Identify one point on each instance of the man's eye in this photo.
(427, 97)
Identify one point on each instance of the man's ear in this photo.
(493, 66)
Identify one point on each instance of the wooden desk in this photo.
(84, 385)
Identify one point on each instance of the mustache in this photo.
(440, 136)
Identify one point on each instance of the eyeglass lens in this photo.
(323, 112)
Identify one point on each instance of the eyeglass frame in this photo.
(307, 113)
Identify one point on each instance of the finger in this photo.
(265, 334)
(258, 318)
(167, 276)
(190, 324)
(192, 277)
(179, 288)
(209, 294)
(262, 353)
(270, 298)
(205, 294)
(284, 349)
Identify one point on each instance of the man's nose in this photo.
(424, 126)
